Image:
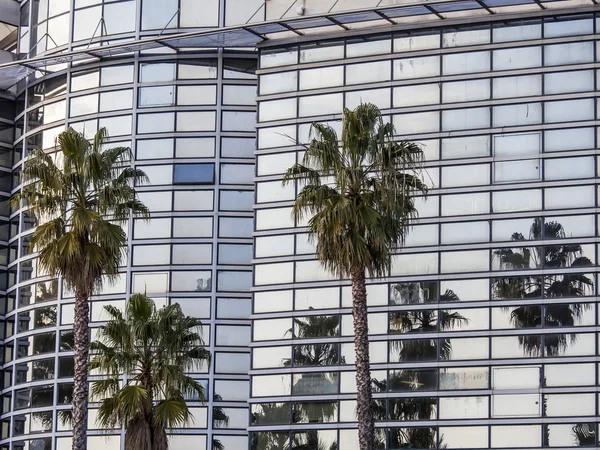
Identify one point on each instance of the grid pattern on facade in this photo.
(484, 334)
(189, 120)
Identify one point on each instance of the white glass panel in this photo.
(150, 283)
(239, 95)
(569, 168)
(240, 12)
(570, 139)
(575, 53)
(85, 22)
(273, 191)
(508, 145)
(414, 264)
(465, 119)
(464, 204)
(154, 148)
(155, 123)
(469, 175)
(461, 233)
(568, 28)
(278, 82)
(119, 17)
(152, 229)
(512, 171)
(277, 136)
(321, 78)
(513, 201)
(421, 235)
(321, 53)
(192, 227)
(513, 115)
(116, 126)
(466, 63)
(147, 255)
(320, 105)
(116, 74)
(368, 72)
(115, 100)
(195, 14)
(422, 94)
(195, 148)
(156, 14)
(411, 43)
(197, 121)
(425, 122)
(276, 59)
(156, 201)
(159, 174)
(368, 48)
(152, 72)
(466, 147)
(575, 81)
(523, 86)
(462, 91)
(522, 436)
(428, 66)
(270, 219)
(197, 95)
(468, 261)
(569, 197)
(517, 58)
(273, 273)
(460, 38)
(192, 254)
(79, 106)
(277, 109)
(569, 110)
(274, 246)
(193, 201)
(518, 33)
(379, 97)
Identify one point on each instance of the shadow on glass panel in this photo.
(321, 354)
(270, 413)
(414, 293)
(315, 440)
(570, 435)
(421, 438)
(220, 419)
(560, 256)
(270, 440)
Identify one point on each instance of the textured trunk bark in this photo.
(364, 401)
(80, 384)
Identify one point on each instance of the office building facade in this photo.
(485, 333)
(189, 120)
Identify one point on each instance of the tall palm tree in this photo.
(81, 197)
(155, 349)
(557, 256)
(358, 191)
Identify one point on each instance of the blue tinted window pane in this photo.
(194, 174)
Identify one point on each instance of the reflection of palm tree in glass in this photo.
(320, 354)
(584, 434)
(560, 256)
(270, 440)
(420, 408)
(220, 419)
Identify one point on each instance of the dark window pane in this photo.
(412, 380)
(194, 174)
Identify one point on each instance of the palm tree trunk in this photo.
(364, 400)
(80, 357)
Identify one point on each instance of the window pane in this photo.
(194, 174)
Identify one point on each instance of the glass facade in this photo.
(484, 335)
(189, 119)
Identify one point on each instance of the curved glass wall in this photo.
(484, 334)
(189, 119)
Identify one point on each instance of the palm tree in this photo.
(557, 256)
(80, 197)
(154, 349)
(358, 193)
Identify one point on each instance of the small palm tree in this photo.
(81, 197)
(358, 194)
(154, 349)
